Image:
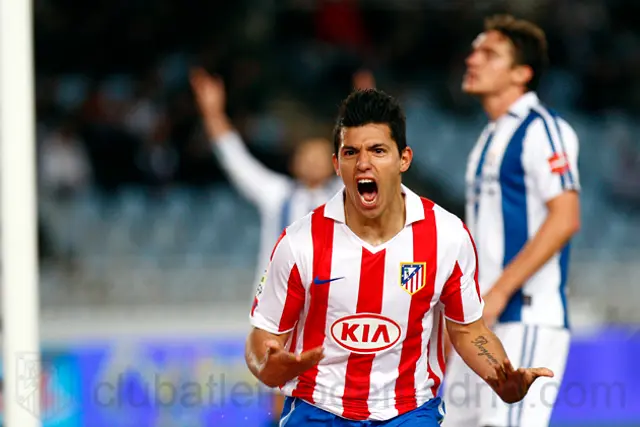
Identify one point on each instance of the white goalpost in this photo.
(18, 216)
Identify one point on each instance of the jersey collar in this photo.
(334, 209)
(523, 105)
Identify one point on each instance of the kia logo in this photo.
(365, 333)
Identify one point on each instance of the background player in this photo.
(279, 198)
(358, 292)
(522, 210)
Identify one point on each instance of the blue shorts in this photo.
(297, 413)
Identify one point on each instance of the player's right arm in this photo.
(255, 181)
(275, 313)
(550, 162)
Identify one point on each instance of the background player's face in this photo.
(490, 69)
(312, 162)
(371, 167)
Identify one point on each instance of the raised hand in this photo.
(280, 366)
(512, 385)
(211, 98)
(209, 93)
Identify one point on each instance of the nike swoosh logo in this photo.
(317, 281)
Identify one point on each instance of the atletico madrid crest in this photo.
(412, 276)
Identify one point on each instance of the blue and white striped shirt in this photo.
(521, 161)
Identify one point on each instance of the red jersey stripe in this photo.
(294, 301)
(452, 296)
(314, 334)
(358, 376)
(254, 305)
(425, 248)
(294, 341)
(475, 251)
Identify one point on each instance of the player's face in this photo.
(490, 68)
(312, 162)
(370, 166)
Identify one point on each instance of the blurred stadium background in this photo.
(147, 253)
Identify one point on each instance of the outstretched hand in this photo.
(280, 366)
(512, 385)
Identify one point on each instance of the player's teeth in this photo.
(364, 181)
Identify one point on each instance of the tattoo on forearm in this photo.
(480, 343)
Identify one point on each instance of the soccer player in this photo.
(350, 319)
(522, 210)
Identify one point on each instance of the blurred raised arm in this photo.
(255, 181)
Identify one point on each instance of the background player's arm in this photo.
(557, 183)
(255, 181)
(476, 344)
(275, 313)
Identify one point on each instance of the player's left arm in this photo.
(551, 161)
(470, 336)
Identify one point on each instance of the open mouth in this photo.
(368, 191)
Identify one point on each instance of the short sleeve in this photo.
(280, 294)
(461, 293)
(551, 157)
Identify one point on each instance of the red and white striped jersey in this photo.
(378, 311)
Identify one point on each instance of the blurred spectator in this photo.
(340, 23)
(363, 79)
(158, 159)
(626, 180)
(65, 168)
(144, 114)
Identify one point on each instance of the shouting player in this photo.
(350, 319)
(522, 210)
